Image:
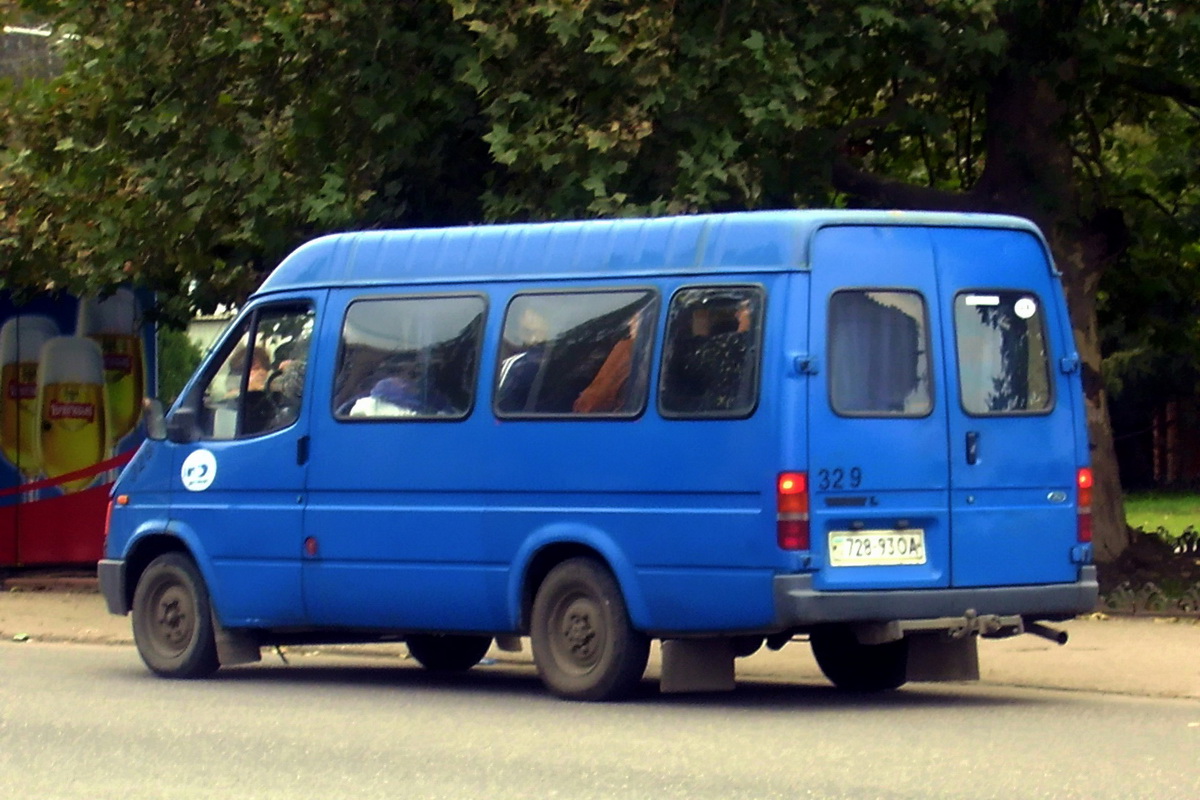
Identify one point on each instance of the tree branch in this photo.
(1154, 82)
(878, 191)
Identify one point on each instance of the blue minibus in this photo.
(859, 429)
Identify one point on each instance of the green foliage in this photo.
(188, 146)
(178, 358)
(1149, 301)
(649, 105)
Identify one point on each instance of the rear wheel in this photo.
(583, 643)
(449, 653)
(857, 667)
(172, 619)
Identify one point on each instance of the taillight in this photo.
(791, 510)
(1084, 480)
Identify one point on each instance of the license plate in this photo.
(876, 548)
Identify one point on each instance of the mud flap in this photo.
(697, 665)
(941, 657)
(509, 644)
(235, 647)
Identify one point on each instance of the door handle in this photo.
(972, 446)
(302, 451)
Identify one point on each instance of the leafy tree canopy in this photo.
(189, 146)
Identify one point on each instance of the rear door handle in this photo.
(972, 446)
(302, 451)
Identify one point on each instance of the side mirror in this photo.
(181, 426)
(156, 423)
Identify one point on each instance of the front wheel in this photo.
(583, 643)
(857, 667)
(450, 653)
(172, 619)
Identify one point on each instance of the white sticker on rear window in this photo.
(981, 300)
(1025, 307)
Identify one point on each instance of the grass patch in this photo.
(1174, 513)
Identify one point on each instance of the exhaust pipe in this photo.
(1046, 632)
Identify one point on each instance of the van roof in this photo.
(745, 241)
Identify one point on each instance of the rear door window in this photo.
(1003, 359)
(879, 354)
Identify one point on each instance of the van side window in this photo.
(576, 353)
(711, 352)
(1003, 360)
(879, 354)
(259, 385)
(409, 358)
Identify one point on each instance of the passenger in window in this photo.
(286, 386)
(260, 370)
(609, 390)
(519, 372)
(389, 397)
(401, 394)
(708, 365)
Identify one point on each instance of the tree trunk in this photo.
(1080, 258)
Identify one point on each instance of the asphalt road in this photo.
(88, 721)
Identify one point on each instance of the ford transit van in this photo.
(863, 430)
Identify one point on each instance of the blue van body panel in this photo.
(379, 508)
(352, 525)
(1007, 530)
(901, 461)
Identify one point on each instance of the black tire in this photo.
(583, 644)
(857, 667)
(447, 653)
(172, 619)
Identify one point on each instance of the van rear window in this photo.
(409, 358)
(1003, 363)
(879, 354)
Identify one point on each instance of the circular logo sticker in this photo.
(1025, 308)
(199, 470)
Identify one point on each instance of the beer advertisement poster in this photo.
(73, 375)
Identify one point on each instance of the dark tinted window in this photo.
(711, 352)
(576, 353)
(409, 358)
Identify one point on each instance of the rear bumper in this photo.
(111, 574)
(798, 604)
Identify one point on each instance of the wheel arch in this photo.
(555, 544)
(152, 541)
